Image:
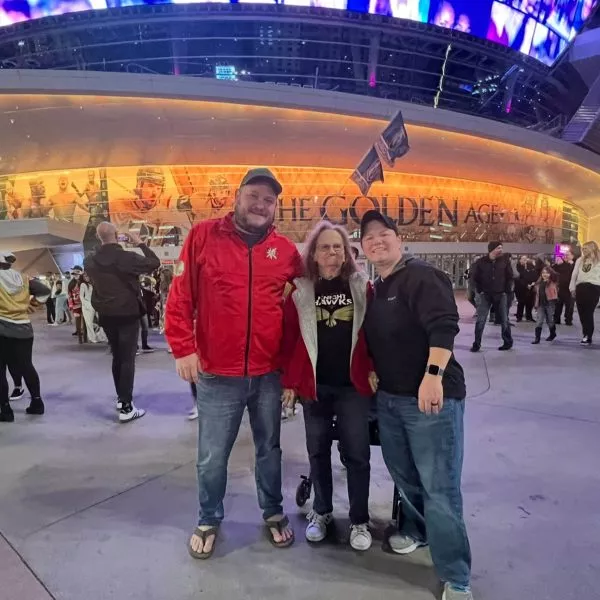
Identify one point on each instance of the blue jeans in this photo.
(500, 304)
(545, 314)
(221, 404)
(424, 455)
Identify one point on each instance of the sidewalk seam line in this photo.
(27, 566)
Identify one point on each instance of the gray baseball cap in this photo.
(262, 174)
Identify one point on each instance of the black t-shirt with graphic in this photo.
(335, 313)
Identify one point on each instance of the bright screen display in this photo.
(538, 28)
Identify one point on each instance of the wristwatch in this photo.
(434, 370)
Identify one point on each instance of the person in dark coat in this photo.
(493, 277)
(525, 288)
(564, 269)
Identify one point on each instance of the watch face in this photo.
(433, 370)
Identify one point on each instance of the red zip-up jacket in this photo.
(234, 295)
(299, 349)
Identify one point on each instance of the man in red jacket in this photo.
(224, 325)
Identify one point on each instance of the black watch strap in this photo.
(435, 370)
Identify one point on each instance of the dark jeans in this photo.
(221, 404)
(424, 455)
(352, 427)
(16, 354)
(122, 338)
(566, 300)
(144, 330)
(545, 314)
(586, 297)
(16, 376)
(484, 303)
(525, 303)
(51, 310)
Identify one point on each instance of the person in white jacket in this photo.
(585, 287)
(95, 333)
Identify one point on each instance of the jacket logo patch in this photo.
(272, 253)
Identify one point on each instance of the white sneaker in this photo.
(404, 544)
(193, 414)
(131, 415)
(316, 530)
(118, 405)
(451, 593)
(360, 537)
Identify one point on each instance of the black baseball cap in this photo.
(262, 174)
(375, 215)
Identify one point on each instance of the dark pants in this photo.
(586, 297)
(566, 300)
(499, 302)
(525, 303)
(424, 455)
(80, 328)
(221, 404)
(352, 427)
(144, 330)
(51, 310)
(122, 338)
(16, 354)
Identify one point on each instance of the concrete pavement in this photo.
(94, 510)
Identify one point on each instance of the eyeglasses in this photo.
(336, 249)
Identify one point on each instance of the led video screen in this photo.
(539, 28)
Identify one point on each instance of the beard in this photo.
(241, 220)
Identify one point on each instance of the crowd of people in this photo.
(552, 287)
(253, 325)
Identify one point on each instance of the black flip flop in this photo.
(280, 526)
(203, 534)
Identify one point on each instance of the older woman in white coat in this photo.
(94, 332)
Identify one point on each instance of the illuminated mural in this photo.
(163, 202)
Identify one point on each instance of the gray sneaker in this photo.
(451, 593)
(404, 544)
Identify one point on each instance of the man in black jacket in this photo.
(564, 268)
(117, 297)
(525, 288)
(410, 326)
(492, 277)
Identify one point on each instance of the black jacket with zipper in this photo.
(412, 310)
(115, 276)
(492, 277)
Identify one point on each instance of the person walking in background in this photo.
(224, 322)
(51, 301)
(492, 277)
(164, 285)
(116, 296)
(330, 302)
(74, 299)
(148, 302)
(95, 334)
(16, 335)
(564, 269)
(524, 288)
(546, 295)
(60, 294)
(585, 287)
(411, 325)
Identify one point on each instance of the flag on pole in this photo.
(368, 171)
(391, 144)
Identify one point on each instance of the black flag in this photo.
(393, 142)
(368, 171)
